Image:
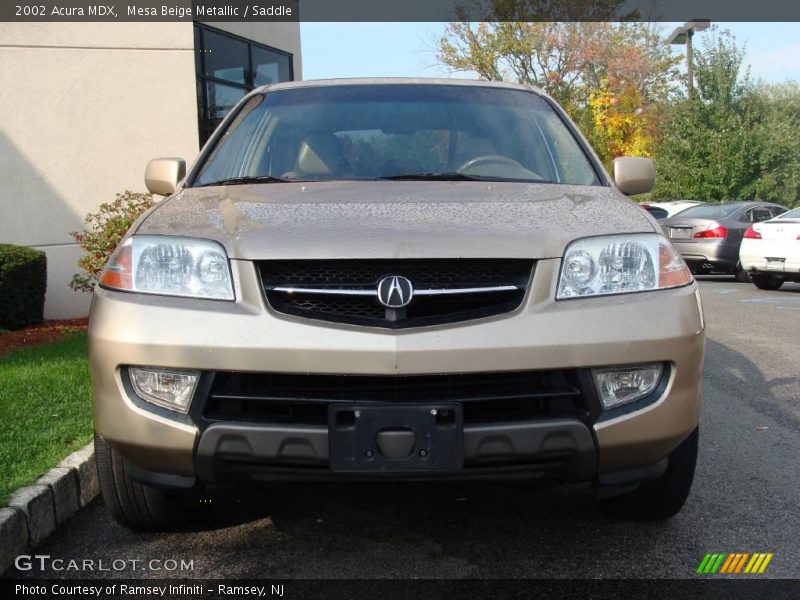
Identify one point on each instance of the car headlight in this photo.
(620, 264)
(170, 266)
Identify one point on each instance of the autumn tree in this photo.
(608, 76)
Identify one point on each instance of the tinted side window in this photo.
(758, 214)
(777, 211)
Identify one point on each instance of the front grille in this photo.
(301, 399)
(346, 291)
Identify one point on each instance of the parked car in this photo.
(393, 279)
(770, 251)
(664, 210)
(708, 236)
(657, 212)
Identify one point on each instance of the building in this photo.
(86, 105)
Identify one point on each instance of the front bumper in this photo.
(556, 447)
(133, 329)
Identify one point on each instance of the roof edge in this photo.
(397, 81)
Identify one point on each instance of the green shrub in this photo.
(104, 230)
(23, 283)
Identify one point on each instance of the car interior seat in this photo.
(319, 155)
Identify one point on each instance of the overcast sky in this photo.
(407, 49)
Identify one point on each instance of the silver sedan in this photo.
(708, 236)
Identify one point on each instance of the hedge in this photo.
(104, 230)
(23, 282)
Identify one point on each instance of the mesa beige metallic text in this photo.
(396, 279)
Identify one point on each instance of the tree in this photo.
(779, 176)
(621, 124)
(608, 76)
(729, 139)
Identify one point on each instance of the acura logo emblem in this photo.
(395, 291)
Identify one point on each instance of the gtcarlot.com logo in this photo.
(43, 562)
(734, 564)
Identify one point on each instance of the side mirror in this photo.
(633, 175)
(163, 174)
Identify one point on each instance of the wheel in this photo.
(663, 497)
(132, 504)
(740, 274)
(767, 282)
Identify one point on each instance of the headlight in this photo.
(171, 266)
(620, 264)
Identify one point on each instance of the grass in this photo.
(45, 412)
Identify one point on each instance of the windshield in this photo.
(711, 211)
(397, 131)
(792, 214)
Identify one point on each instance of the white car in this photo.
(671, 208)
(770, 251)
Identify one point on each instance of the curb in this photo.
(34, 512)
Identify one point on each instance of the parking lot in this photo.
(746, 496)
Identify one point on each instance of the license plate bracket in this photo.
(396, 438)
(680, 233)
(776, 263)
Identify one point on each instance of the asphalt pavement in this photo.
(746, 497)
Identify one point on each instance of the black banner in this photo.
(397, 10)
(389, 589)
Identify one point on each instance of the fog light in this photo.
(621, 385)
(168, 388)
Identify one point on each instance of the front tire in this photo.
(132, 504)
(663, 497)
(767, 282)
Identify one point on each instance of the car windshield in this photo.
(397, 131)
(711, 211)
(792, 214)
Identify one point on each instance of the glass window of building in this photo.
(227, 67)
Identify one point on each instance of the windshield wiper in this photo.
(247, 179)
(449, 176)
(456, 176)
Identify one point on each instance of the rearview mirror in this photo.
(633, 175)
(163, 174)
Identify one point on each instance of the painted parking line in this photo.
(781, 303)
(771, 300)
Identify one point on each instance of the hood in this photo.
(395, 219)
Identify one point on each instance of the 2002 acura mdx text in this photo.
(382, 279)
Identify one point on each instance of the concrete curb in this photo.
(34, 512)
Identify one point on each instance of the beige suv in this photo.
(383, 279)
